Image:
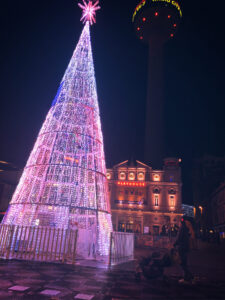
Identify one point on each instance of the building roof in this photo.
(132, 163)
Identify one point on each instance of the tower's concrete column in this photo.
(154, 131)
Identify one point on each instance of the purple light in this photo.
(89, 11)
(64, 181)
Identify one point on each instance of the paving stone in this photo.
(84, 297)
(50, 293)
(19, 288)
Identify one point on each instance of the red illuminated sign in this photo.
(126, 183)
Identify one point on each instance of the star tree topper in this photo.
(89, 11)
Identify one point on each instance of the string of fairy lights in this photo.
(64, 181)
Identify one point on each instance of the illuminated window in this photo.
(141, 176)
(108, 175)
(156, 199)
(122, 176)
(172, 201)
(131, 176)
(156, 177)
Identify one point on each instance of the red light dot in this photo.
(172, 35)
(169, 16)
(174, 25)
(144, 19)
(156, 13)
(138, 29)
(141, 38)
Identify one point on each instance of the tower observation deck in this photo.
(155, 22)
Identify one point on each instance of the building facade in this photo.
(218, 210)
(208, 175)
(144, 200)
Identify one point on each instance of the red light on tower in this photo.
(144, 19)
(174, 25)
(138, 29)
(169, 16)
(156, 14)
(171, 35)
(141, 37)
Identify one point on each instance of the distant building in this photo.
(144, 200)
(218, 210)
(9, 177)
(208, 174)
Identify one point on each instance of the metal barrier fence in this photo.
(154, 241)
(121, 247)
(38, 243)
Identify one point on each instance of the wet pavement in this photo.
(30, 280)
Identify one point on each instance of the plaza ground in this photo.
(32, 280)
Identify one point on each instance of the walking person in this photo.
(183, 244)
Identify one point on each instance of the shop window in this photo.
(121, 227)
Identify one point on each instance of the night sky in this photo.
(37, 42)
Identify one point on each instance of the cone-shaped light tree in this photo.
(64, 184)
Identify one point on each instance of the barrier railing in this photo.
(121, 247)
(154, 241)
(38, 243)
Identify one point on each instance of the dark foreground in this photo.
(29, 280)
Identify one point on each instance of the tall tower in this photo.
(64, 181)
(155, 22)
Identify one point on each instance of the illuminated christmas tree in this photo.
(64, 184)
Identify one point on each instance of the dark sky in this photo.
(38, 39)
